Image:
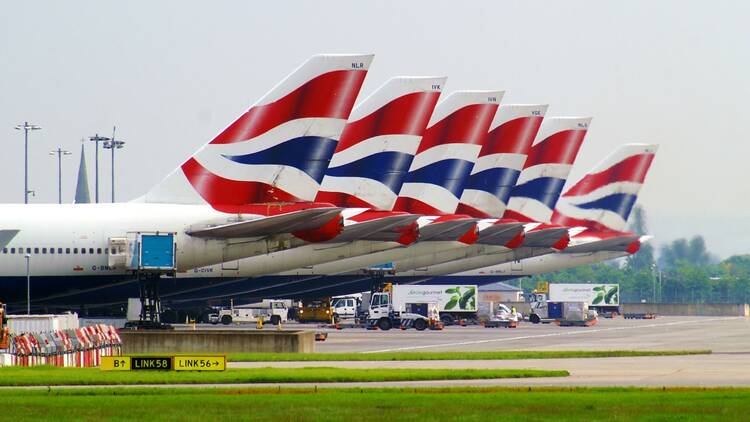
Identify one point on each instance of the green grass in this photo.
(498, 355)
(298, 404)
(45, 375)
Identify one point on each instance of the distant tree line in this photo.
(685, 272)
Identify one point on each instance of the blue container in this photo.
(555, 310)
(157, 251)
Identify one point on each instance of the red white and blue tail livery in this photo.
(379, 143)
(547, 167)
(603, 198)
(501, 160)
(279, 149)
(449, 148)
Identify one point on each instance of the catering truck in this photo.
(603, 298)
(421, 305)
(566, 302)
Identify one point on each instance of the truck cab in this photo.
(383, 315)
(346, 308)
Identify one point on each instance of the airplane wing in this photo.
(546, 236)
(501, 234)
(296, 221)
(617, 243)
(446, 230)
(6, 236)
(393, 228)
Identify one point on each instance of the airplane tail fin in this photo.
(446, 155)
(278, 150)
(501, 159)
(546, 169)
(603, 198)
(379, 143)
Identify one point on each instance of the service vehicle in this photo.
(421, 306)
(453, 302)
(315, 311)
(604, 298)
(274, 311)
(346, 307)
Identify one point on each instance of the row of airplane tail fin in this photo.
(403, 152)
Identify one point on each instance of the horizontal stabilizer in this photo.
(446, 230)
(309, 219)
(546, 237)
(6, 236)
(619, 243)
(500, 234)
(381, 229)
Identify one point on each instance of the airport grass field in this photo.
(45, 375)
(333, 404)
(416, 356)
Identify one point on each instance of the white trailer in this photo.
(454, 302)
(599, 296)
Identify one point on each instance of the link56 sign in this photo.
(164, 363)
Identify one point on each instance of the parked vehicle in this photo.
(421, 306)
(315, 311)
(274, 311)
(604, 298)
(506, 313)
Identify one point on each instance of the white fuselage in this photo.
(74, 239)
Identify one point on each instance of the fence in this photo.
(79, 347)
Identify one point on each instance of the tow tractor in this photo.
(385, 314)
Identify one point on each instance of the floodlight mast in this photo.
(26, 127)
(59, 152)
(112, 145)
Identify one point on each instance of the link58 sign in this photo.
(164, 363)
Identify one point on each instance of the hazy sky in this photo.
(171, 74)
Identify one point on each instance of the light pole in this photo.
(96, 139)
(59, 152)
(26, 128)
(112, 145)
(28, 284)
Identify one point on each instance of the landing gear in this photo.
(148, 284)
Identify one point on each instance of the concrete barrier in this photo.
(217, 341)
(688, 309)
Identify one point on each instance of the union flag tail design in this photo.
(446, 155)
(379, 143)
(546, 169)
(603, 198)
(279, 149)
(501, 159)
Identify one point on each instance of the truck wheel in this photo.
(384, 324)
(446, 319)
(214, 322)
(275, 320)
(226, 320)
(534, 318)
(420, 324)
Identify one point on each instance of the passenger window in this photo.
(91, 251)
(52, 250)
(12, 250)
(83, 251)
(75, 250)
(67, 250)
(36, 250)
(98, 251)
(5, 250)
(112, 251)
(44, 250)
(59, 250)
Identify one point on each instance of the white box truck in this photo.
(422, 302)
(601, 297)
